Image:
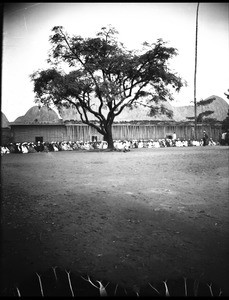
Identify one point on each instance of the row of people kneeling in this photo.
(161, 143)
(30, 147)
(119, 145)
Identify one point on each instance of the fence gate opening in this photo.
(94, 138)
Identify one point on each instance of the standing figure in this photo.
(174, 137)
(205, 138)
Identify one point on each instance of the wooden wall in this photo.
(28, 133)
(82, 132)
(146, 132)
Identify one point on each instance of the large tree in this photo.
(100, 77)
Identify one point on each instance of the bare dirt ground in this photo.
(145, 215)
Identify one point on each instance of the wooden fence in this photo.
(82, 132)
(143, 132)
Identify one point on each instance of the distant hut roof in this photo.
(180, 113)
(4, 121)
(219, 106)
(135, 114)
(39, 115)
(142, 113)
(42, 115)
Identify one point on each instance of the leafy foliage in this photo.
(203, 116)
(205, 102)
(227, 95)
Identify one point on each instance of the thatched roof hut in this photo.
(4, 121)
(219, 106)
(39, 115)
(5, 130)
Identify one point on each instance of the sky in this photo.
(27, 27)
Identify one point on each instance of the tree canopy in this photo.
(100, 76)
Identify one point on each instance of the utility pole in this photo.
(195, 105)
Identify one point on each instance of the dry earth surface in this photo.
(131, 218)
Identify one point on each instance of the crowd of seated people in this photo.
(119, 145)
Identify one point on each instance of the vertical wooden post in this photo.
(195, 105)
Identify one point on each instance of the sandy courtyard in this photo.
(146, 215)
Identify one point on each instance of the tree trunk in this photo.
(108, 137)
